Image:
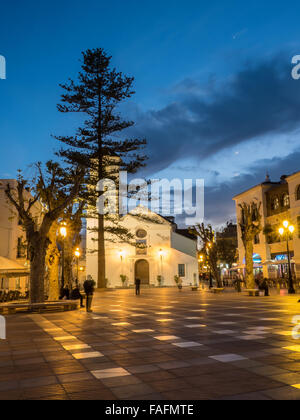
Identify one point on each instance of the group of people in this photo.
(75, 293)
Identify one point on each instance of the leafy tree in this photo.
(210, 248)
(73, 218)
(53, 190)
(227, 251)
(97, 144)
(250, 224)
(227, 244)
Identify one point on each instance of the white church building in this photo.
(158, 252)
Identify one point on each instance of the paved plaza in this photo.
(161, 345)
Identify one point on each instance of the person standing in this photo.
(89, 288)
(137, 287)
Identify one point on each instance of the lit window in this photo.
(275, 203)
(181, 270)
(285, 200)
(21, 249)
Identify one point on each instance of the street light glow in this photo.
(286, 224)
(161, 253)
(63, 230)
(292, 229)
(77, 253)
(122, 254)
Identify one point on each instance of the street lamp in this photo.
(209, 246)
(77, 255)
(161, 255)
(287, 230)
(63, 234)
(122, 256)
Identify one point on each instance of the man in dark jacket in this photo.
(137, 287)
(76, 295)
(89, 288)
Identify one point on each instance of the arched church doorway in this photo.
(142, 271)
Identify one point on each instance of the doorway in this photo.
(142, 271)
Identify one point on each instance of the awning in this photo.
(243, 266)
(10, 268)
(275, 262)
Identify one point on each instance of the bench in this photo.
(217, 290)
(252, 292)
(69, 305)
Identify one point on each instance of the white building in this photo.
(159, 249)
(280, 201)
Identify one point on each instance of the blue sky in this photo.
(214, 96)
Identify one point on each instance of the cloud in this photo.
(260, 100)
(221, 130)
(219, 206)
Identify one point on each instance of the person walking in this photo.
(137, 287)
(89, 288)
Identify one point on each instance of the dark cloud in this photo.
(219, 206)
(258, 103)
(261, 99)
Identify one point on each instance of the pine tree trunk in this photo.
(101, 253)
(37, 272)
(249, 265)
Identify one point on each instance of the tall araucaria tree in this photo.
(250, 225)
(53, 190)
(97, 144)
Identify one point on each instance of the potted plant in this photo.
(123, 279)
(178, 281)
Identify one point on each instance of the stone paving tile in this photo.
(255, 354)
(133, 391)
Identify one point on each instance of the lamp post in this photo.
(161, 254)
(122, 256)
(287, 230)
(63, 234)
(209, 246)
(77, 255)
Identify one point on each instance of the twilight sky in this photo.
(215, 97)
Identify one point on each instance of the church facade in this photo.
(156, 253)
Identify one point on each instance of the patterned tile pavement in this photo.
(132, 353)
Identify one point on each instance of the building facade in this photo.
(158, 253)
(14, 269)
(280, 201)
